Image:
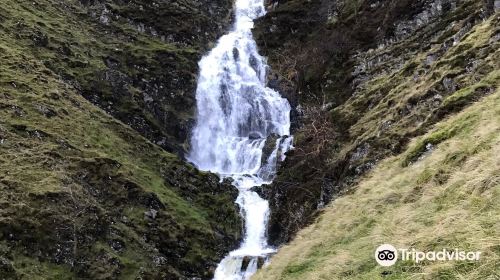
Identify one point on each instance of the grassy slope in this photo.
(144, 77)
(403, 89)
(449, 198)
(442, 191)
(76, 183)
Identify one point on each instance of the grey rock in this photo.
(151, 214)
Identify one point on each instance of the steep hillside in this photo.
(137, 59)
(82, 194)
(448, 198)
(367, 77)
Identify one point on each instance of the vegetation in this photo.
(136, 60)
(449, 198)
(83, 195)
(401, 122)
(367, 84)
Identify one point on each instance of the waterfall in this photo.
(237, 117)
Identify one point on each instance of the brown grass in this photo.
(449, 198)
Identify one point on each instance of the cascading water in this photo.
(237, 114)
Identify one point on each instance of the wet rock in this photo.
(269, 147)
(245, 263)
(254, 63)
(254, 135)
(247, 259)
(260, 262)
(236, 54)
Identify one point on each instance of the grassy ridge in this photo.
(449, 198)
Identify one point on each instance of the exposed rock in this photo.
(151, 214)
(248, 259)
(255, 136)
(46, 111)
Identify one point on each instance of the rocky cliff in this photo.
(366, 77)
(94, 97)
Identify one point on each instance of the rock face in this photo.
(82, 194)
(365, 77)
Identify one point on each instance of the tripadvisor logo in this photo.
(387, 255)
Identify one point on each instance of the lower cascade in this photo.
(242, 132)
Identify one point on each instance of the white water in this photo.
(236, 115)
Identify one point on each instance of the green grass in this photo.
(469, 94)
(437, 137)
(71, 42)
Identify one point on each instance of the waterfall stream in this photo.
(238, 119)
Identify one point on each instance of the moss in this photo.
(421, 146)
(78, 186)
(32, 268)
